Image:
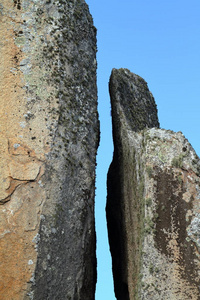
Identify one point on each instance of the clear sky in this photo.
(160, 41)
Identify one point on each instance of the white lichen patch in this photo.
(30, 262)
(194, 230)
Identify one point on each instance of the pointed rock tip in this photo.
(129, 93)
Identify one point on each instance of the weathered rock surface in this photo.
(153, 205)
(48, 140)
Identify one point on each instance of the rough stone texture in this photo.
(153, 205)
(49, 135)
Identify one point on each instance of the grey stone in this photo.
(49, 138)
(153, 200)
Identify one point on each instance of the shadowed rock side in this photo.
(49, 135)
(152, 207)
(133, 109)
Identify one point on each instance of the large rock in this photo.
(153, 210)
(48, 140)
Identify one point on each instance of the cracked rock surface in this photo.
(153, 204)
(49, 135)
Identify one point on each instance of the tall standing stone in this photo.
(48, 141)
(153, 210)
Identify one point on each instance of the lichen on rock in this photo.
(153, 200)
(49, 135)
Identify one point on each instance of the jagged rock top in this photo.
(130, 94)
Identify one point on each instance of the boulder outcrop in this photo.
(153, 210)
(49, 135)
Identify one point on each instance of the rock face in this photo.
(153, 205)
(49, 135)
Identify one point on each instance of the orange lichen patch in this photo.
(16, 264)
(12, 187)
(28, 171)
(14, 169)
(20, 218)
(12, 94)
(25, 207)
(20, 194)
(17, 147)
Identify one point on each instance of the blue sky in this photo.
(158, 40)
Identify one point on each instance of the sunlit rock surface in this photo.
(48, 140)
(153, 205)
